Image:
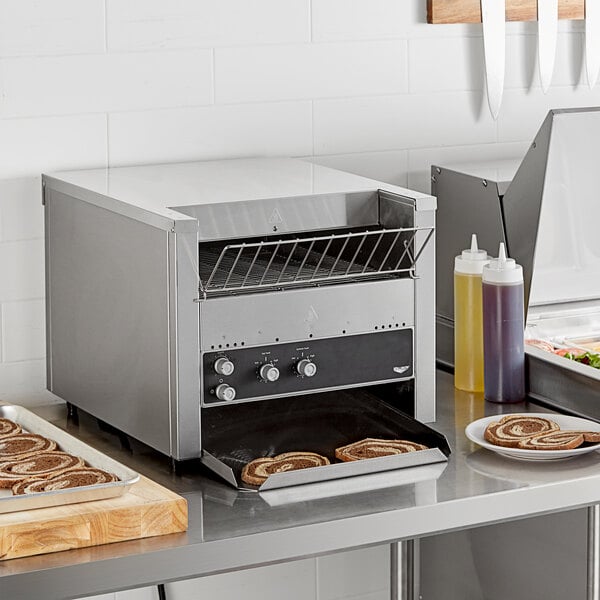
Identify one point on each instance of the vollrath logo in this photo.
(401, 369)
(275, 218)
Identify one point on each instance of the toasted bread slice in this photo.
(76, 477)
(257, 471)
(553, 440)
(22, 445)
(8, 427)
(42, 465)
(375, 448)
(510, 430)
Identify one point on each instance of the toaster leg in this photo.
(404, 570)
(72, 413)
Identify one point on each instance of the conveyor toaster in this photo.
(178, 296)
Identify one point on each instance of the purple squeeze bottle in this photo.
(503, 330)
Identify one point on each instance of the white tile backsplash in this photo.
(21, 211)
(105, 82)
(279, 128)
(29, 147)
(403, 121)
(455, 64)
(24, 383)
(31, 27)
(23, 330)
(361, 85)
(22, 268)
(360, 19)
(310, 71)
(155, 24)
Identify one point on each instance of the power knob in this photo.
(225, 392)
(223, 366)
(269, 372)
(306, 367)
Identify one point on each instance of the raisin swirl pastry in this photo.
(374, 448)
(77, 477)
(23, 445)
(510, 430)
(257, 471)
(41, 465)
(8, 427)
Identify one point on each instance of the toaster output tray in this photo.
(234, 435)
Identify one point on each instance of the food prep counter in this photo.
(231, 530)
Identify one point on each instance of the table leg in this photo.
(593, 553)
(404, 570)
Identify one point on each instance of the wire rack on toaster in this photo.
(304, 261)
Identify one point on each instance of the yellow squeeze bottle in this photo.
(468, 318)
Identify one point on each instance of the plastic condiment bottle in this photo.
(468, 323)
(503, 330)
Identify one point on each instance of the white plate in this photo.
(474, 431)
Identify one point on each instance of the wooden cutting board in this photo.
(146, 510)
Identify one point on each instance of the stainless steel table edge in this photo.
(124, 571)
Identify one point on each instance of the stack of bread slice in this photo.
(535, 433)
(33, 463)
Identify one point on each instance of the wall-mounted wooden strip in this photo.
(469, 11)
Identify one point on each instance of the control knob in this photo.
(269, 372)
(306, 367)
(223, 366)
(225, 392)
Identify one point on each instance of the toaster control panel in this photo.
(240, 374)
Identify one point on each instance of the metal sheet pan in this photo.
(34, 424)
(234, 435)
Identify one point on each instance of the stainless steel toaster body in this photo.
(177, 289)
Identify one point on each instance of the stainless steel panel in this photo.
(283, 215)
(543, 557)
(522, 204)
(466, 205)
(108, 317)
(303, 313)
(184, 347)
(31, 423)
(424, 305)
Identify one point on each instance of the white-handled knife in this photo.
(592, 40)
(547, 32)
(493, 17)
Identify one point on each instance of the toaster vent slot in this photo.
(305, 261)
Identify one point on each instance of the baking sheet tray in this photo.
(34, 424)
(234, 435)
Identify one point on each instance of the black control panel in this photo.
(245, 373)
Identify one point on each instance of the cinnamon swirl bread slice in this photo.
(510, 430)
(77, 477)
(553, 440)
(8, 427)
(40, 465)
(374, 448)
(22, 445)
(257, 471)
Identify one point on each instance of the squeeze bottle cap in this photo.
(502, 269)
(471, 261)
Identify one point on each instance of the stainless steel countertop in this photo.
(230, 530)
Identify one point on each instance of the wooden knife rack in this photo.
(469, 11)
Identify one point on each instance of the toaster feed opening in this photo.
(280, 262)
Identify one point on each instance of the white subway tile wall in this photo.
(365, 86)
